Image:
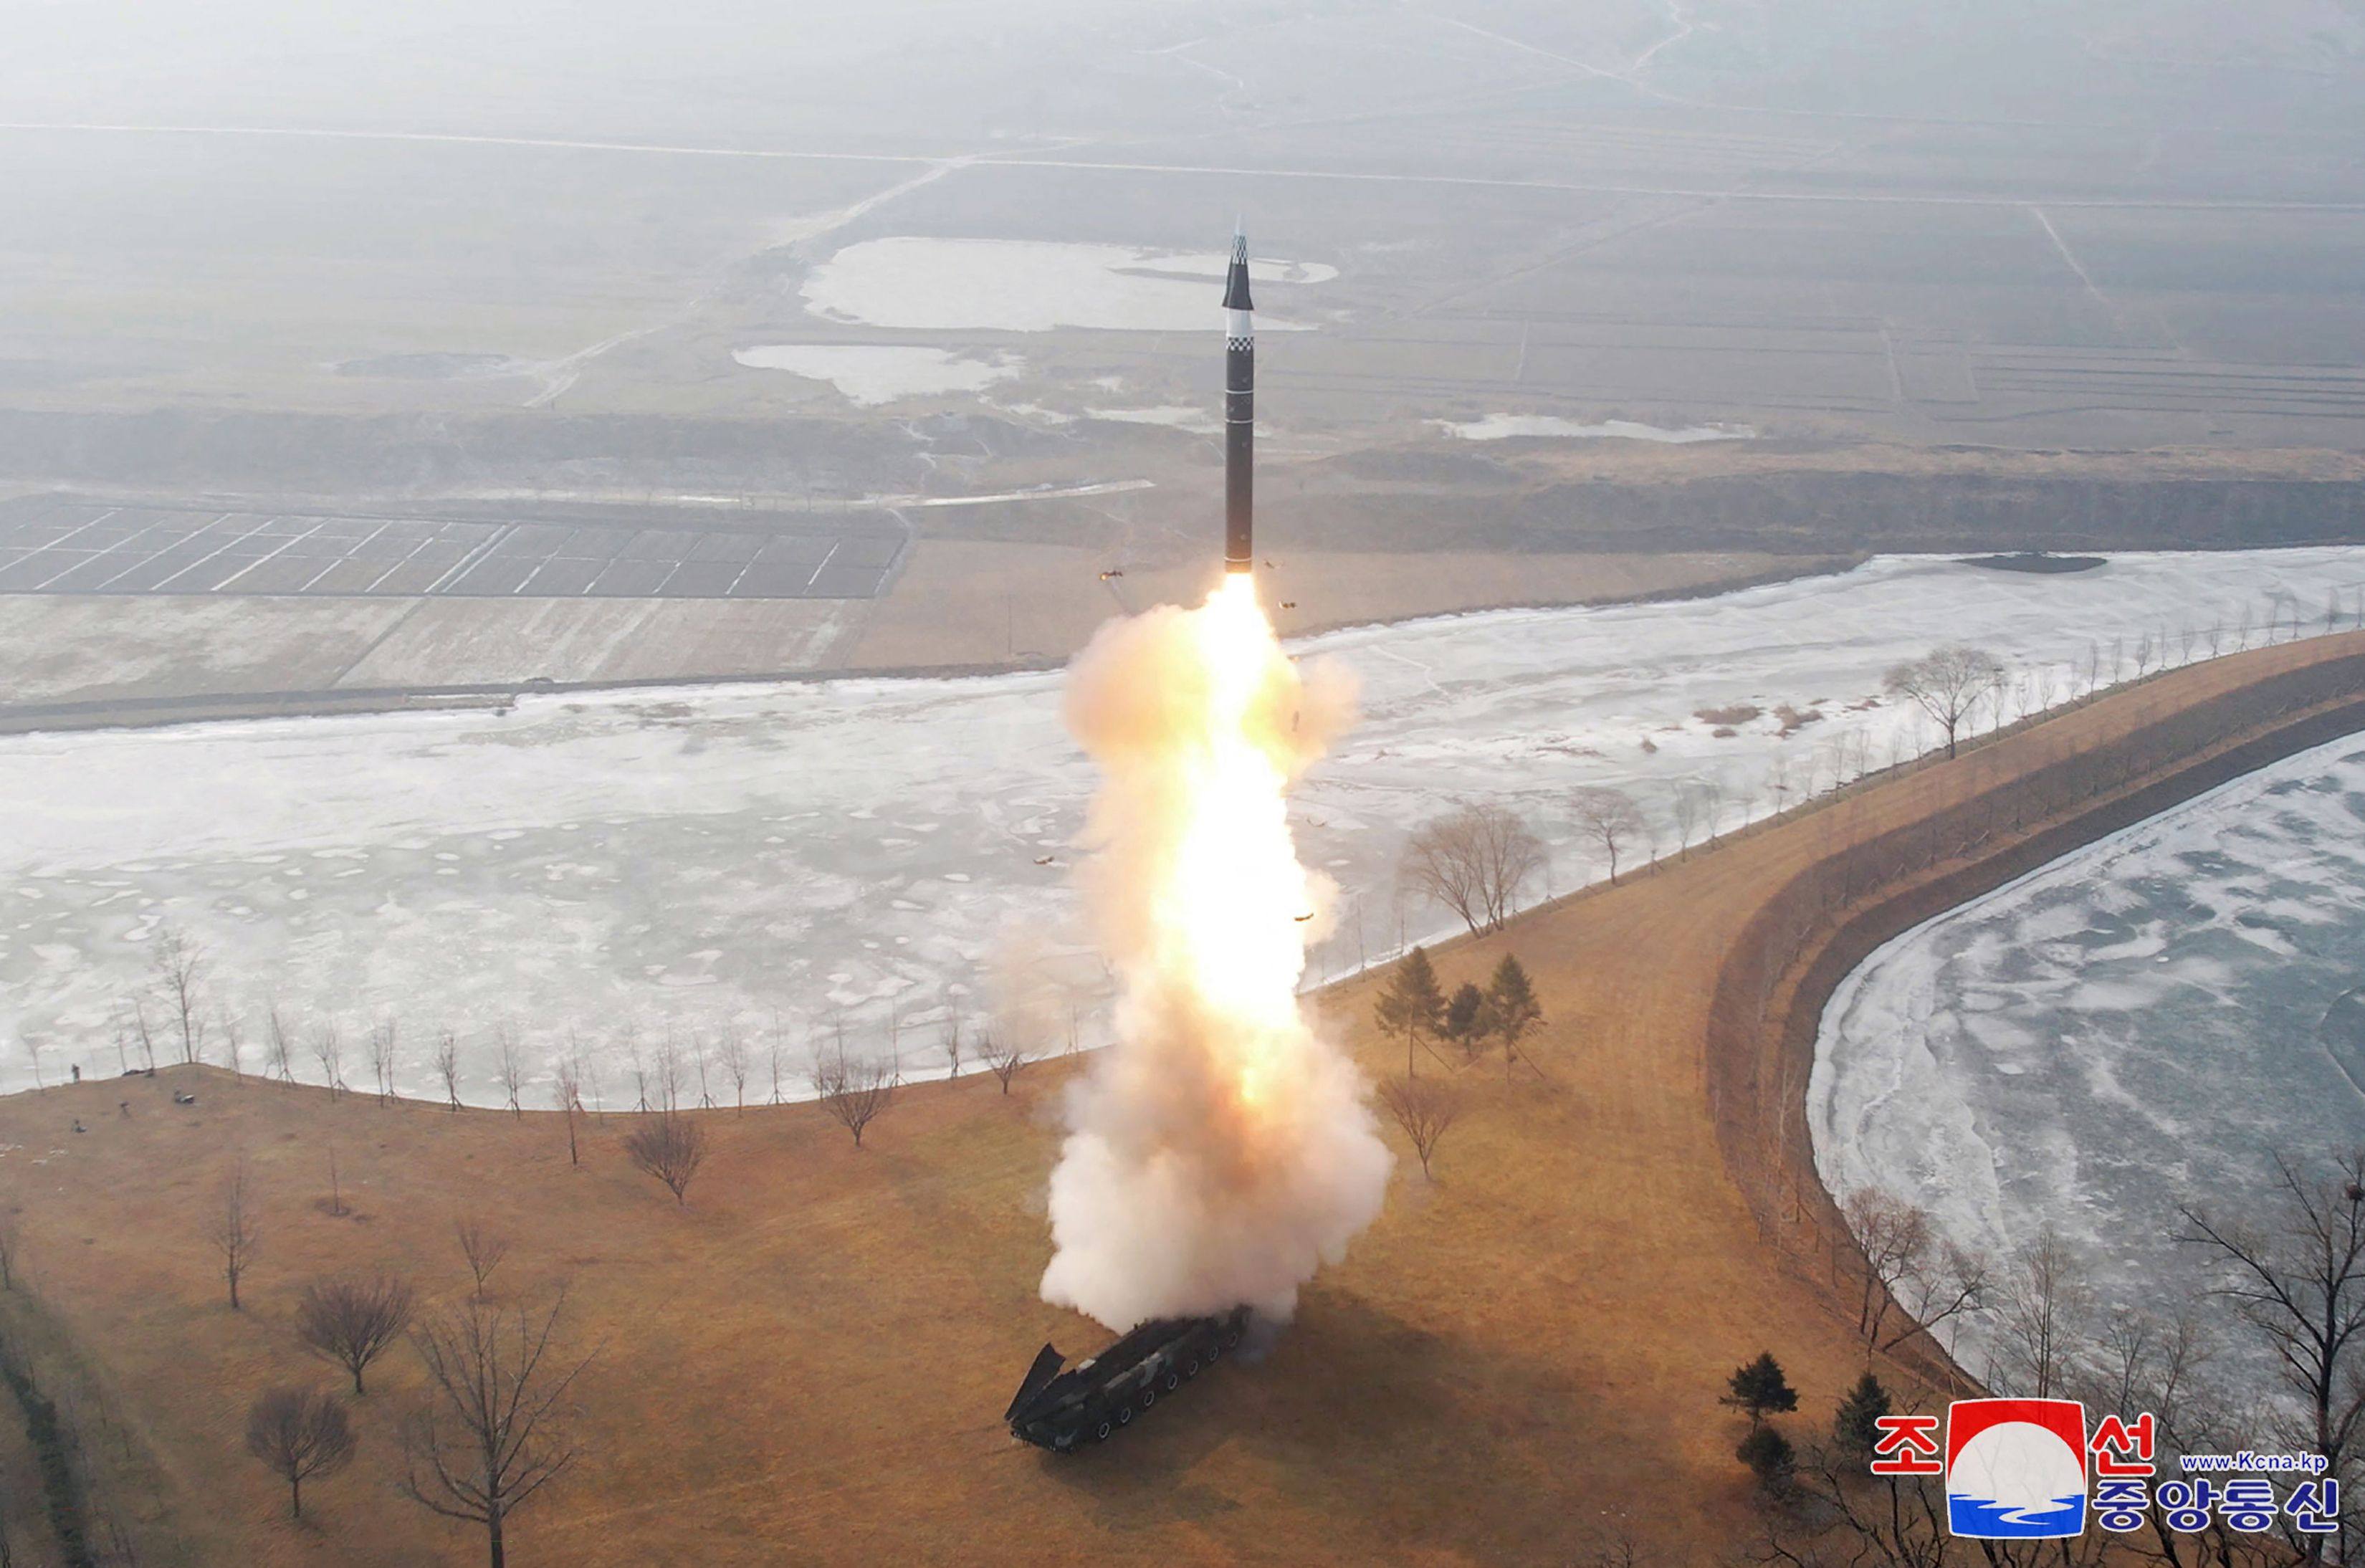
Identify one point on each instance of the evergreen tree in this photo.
(1413, 1004)
(1512, 1009)
(1466, 1022)
(1767, 1454)
(1759, 1386)
(1856, 1424)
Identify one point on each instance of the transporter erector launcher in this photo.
(1239, 411)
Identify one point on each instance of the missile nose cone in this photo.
(1236, 280)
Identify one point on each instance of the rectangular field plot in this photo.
(55, 545)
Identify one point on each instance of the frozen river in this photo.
(2142, 1024)
(861, 854)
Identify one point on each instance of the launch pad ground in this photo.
(1519, 1363)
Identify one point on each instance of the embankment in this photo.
(1999, 811)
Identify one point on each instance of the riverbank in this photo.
(2006, 808)
(1515, 1363)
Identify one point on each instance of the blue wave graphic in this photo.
(1983, 1519)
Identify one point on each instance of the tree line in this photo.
(1480, 861)
(2288, 1282)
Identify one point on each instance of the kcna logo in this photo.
(2015, 1469)
(2019, 1469)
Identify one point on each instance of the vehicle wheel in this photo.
(1191, 1367)
(1124, 1415)
(1150, 1396)
(1101, 1432)
(1174, 1380)
(1216, 1352)
(1231, 1338)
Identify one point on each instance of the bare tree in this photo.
(350, 1322)
(1945, 684)
(512, 1068)
(1909, 1268)
(2144, 1359)
(1610, 818)
(640, 1070)
(143, 1033)
(1945, 1284)
(772, 1044)
(483, 1248)
(949, 1041)
(1687, 810)
(299, 1436)
(670, 1148)
(233, 1034)
(670, 1074)
(698, 1055)
(1425, 1108)
(381, 1059)
(854, 1094)
(1893, 1235)
(491, 1438)
(567, 1092)
(448, 1065)
(279, 1054)
(1778, 781)
(1711, 794)
(180, 965)
(329, 1050)
(733, 1051)
(1474, 862)
(1834, 1516)
(1003, 1055)
(234, 1228)
(1833, 751)
(2300, 1284)
(2042, 1310)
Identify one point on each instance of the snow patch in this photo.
(872, 373)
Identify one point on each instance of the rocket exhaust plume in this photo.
(1220, 1150)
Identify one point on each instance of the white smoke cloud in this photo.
(1219, 1152)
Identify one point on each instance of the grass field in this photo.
(1520, 1361)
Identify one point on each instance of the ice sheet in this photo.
(2140, 1024)
(856, 849)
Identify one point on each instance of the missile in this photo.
(1240, 409)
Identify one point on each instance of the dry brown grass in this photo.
(807, 1363)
